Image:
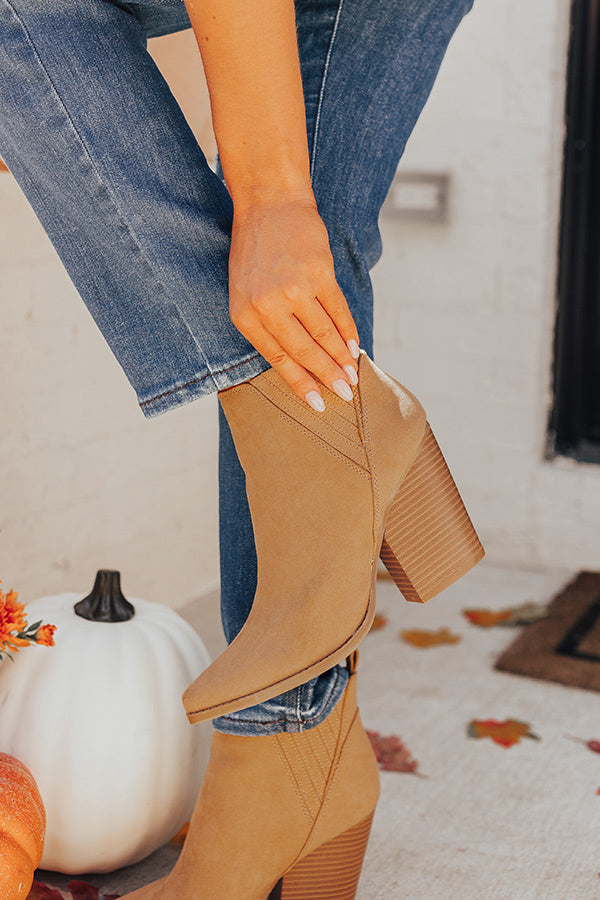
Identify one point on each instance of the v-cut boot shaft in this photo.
(319, 487)
(269, 803)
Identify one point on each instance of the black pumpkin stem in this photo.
(106, 603)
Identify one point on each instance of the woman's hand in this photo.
(283, 294)
(284, 298)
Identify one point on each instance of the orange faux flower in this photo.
(45, 635)
(14, 630)
(12, 614)
(12, 618)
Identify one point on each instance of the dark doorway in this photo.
(575, 418)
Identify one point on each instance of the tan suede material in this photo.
(319, 486)
(350, 783)
(392, 423)
(267, 802)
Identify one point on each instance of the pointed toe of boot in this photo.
(256, 666)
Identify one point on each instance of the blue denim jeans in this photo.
(142, 224)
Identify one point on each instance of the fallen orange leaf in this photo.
(76, 890)
(379, 622)
(485, 618)
(423, 638)
(391, 754)
(525, 614)
(506, 733)
(41, 891)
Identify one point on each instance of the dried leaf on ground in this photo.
(76, 890)
(391, 754)
(486, 618)
(423, 638)
(592, 744)
(506, 733)
(81, 890)
(526, 614)
(379, 622)
(40, 891)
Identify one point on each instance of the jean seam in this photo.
(301, 693)
(90, 160)
(279, 721)
(213, 374)
(322, 89)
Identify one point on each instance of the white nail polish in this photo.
(314, 399)
(351, 373)
(342, 389)
(353, 348)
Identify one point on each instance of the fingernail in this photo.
(351, 373)
(314, 399)
(353, 348)
(342, 389)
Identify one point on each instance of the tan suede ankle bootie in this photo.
(328, 493)
(283, 817)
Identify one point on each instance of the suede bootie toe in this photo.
(329, 492)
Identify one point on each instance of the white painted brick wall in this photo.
(465, 315)
(465, 311)
(86, 481)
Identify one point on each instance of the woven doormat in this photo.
(564, 646)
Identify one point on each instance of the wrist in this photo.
(273, 170)
(252, 199)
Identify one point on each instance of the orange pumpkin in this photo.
(22, 828)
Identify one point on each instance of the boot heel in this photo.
(331, 872)
(429, 540)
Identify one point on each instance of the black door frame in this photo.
(575, 417)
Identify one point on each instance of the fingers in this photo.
(300, 381)
(298, 358)
(300, 343)
(324, 331)
(335, 305)
(284, 298)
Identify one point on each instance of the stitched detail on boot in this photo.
(331, 427)
(336, 767)
(329, 423)
(343, 410)
(320, 748)
(309, 759)
(296, 785)
(314, 776)
(363, 418)
(347, 446)
(308, 772)
(317, 440)
(331, 780)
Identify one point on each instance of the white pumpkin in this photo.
(99, 721)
